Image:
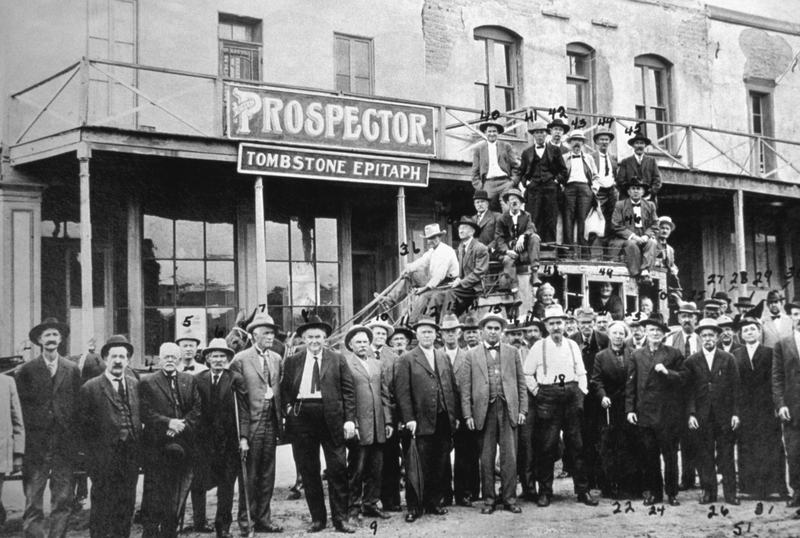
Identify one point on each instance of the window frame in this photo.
(371, 60)
(644, 65)
(586, 83)
(256, 45)
(491, 35)
(764, 160)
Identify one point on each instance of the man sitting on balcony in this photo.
(493, 164)
(639, 166)
(516, 240)
(636, 230)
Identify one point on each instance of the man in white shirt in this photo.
(494, 164)
(582, 182)
(607, 196)
(189, 342)
(555, 375)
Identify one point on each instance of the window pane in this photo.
(361, 85)
(220, 283)
(159, 327)
(304, 289)
(225, 31)
(219, 240)
(508, 97)
(277, 283)
(239, 32)
(360, 67)
(328, 275)
(327, 240)
(342, 53)
(502, 68)
(343, 83)
(159, 282)
(574, 96)
(331, 315)
(640, 72)
(219, 322)
(277, 234)
(570, 64)
(756, 102)
(582, 66)
(190, 283)
(189, 239)
(482, 96)
(479, 53)
(158, 240)
(658, 80)
(302, 238)
(281, 316)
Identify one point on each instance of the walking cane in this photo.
(243, 458)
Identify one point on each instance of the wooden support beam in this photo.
(402, 233)
(261, 244)
(135, 280)
(87, 297)
(738, 215)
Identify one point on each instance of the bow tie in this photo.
(539, 147)
(636, 204)
(776, 317)
(575, 156)
(493, 348)
(189, 369)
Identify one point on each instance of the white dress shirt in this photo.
(430, 356)
(576, 172)
(564, 359)
(494, 167)
(451, 354)
(638, 158)
(52, 366)
(442, 262)
(264, 364)
(751, 351)
(114, 380)
(709, 357)
(305, 382)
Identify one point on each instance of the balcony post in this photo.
(87, 296)
(738, 215)
(261, 245)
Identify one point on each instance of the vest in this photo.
(495, 383)
(125, 422)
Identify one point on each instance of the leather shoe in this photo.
(371, 511)
(464, 502)
(794, 502)
(707, 498)
(732, 501)
(316, 526)
(685, 486)
(272, 529)
(513, 508)
(343, 526)
(488, 509)
(411, 517)
(650, 500)
(673, 501)
(587, 499)
(293, 495)
(544, 500)
(437, 511)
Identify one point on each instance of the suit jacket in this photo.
(734, 346)
(613, 306)
(712, 391)
(775, 330)
(506, 232)
(49, 407)
(247, 364)
(629, 168)
(612, 160)
(609, 377)
(100, 414)
(597, 342)
(415, 386)
(338, 395)
(589, 169)
(624, 223)
(551, 169)
(656, 398)
(488, 225)
(388, 360)
(217, 430)
(473, 265)
(480, 162)
(12, 428)
(755, 382)
(372, 399)
(475, 385)
(158, 408)
(786, 378)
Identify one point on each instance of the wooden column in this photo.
(738, 215)
(261, 244)
(401, 227)
(87, 298)
(135, 280)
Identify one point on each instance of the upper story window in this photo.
(653, 99)
(354, 65)
(239, 48)
(498, 81)
(580, 78)
(760, 106)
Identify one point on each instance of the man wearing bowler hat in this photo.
(557, 129)
(777, 324)
(517, 242)
(580, 184)
(541, 171)
(786, 395)
(636, 231)
(317, 390)
(494, 164)
(494, 401)
(639, 166)
(111, 429)
(224, 421)
(473, 262)
(485, 218)
(260, 367)
(606, 164)
(48, 393)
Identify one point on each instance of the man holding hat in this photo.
(473, 262)
(494, 164)
(517, 242)
(786, 396)
(541, 171)
(760, 456)
(714, 396)
(260, 368)
(606, 164)
(494, 401)
(486, 219)
(555, 375)
(224, 420)
(48, 393)
(317, 390)
(777, 325)
(639, 166)
(635, 230)
(427, 399)
(111, 429)
(581, 184)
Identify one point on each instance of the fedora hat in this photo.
(794, 304)
(481, 194)
(354, 330)
(470, 324)
(187, 333)
(774, 295)
(432, 230)
(429, 322)
(606, 132)
(655, 320)
(48, 323)
(726, 321)
(405, 331)
(314, 322)
(749, 321)
(585, 314)
(666, 220)
(449, 322)
(381, 321)
(577, 134)
(466, 221)
(513, 192)
(485, 125)
(640, 137)
(117, 340)
(262, 319)
(515, 325)
(554, 311)
(218, 344)
(744, 302)
(558, 122)
(708, 323)
(491, 316)
(538, 125)
(536, 322)
(689, 308)
(636, 181)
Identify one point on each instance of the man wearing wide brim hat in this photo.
(494, 164)
(728, 340)
(776, 319)
(581, 182)
(485, 217)
(517, 242)
(607, 196)
(473, 260)
(636, 231)
(639, 165)
(188, 341)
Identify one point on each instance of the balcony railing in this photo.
(100, 93)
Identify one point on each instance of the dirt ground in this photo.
(564, 518)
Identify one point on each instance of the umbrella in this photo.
(414, 472)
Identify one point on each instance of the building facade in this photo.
(124, 211)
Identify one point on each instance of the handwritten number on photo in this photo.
(374, 527)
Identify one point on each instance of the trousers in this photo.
(58, 469)
(260, 471)
(498, 430)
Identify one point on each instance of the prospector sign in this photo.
(266, 114)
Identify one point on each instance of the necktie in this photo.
(608, 166)
(687, 349)
(480, 218)
(120, 388)
(215, 380)
(315, 386)
(776, 317)
(493, 348)
(636, 204)
(52, 367)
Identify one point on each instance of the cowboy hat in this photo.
(382, 322)
(513, 192)
(218, 344)
(403, 331)
(666, 220)
(538, 125)
(606, 132)
(491, 316)
(689, 308)
(431, 231)
(515, 325)
(117, 340)
(535, 322)
(354, 330)
(485, 125)
(262, 319)
(744, 302)
(554, 311)
(470, 324)
(48, 323)
(466, 221)
(640, 137)
(577, 134)
(558, 122)
(449, 322)
(708, 323)
(636, 181)
(314, 322)
(481, 194)
(429, 322)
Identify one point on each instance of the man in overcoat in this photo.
(786, 396)
(516, 240)
(12, 434)
(636, 231)
(639, 166)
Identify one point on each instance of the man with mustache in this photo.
(48, 392)
(777, 325)
(494, 164)
(639, 166)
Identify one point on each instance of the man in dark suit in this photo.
(607, 302)
(48, 393)
(541, 171)
(373, 426)
(111, 428)
(260, 367)
(636, 230)
(223, 428)
(655, 382)
(494, 164)
(317, 390)
(486, 219)
(639, 166)
(494, 402)
(786, 394)
(516, 239)
(473, 261)
(591, 343)
(607, 197)
(171, 408)
(427, 401)
(727, 339)
(714, 412)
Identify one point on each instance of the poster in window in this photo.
(191, 322)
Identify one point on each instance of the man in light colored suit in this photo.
(261, 370)
(473, 260)
(494, 401)
(777, 325)
(607, 197)
(12, 435)
(373, 426)
(494, 164)
(786, 395)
